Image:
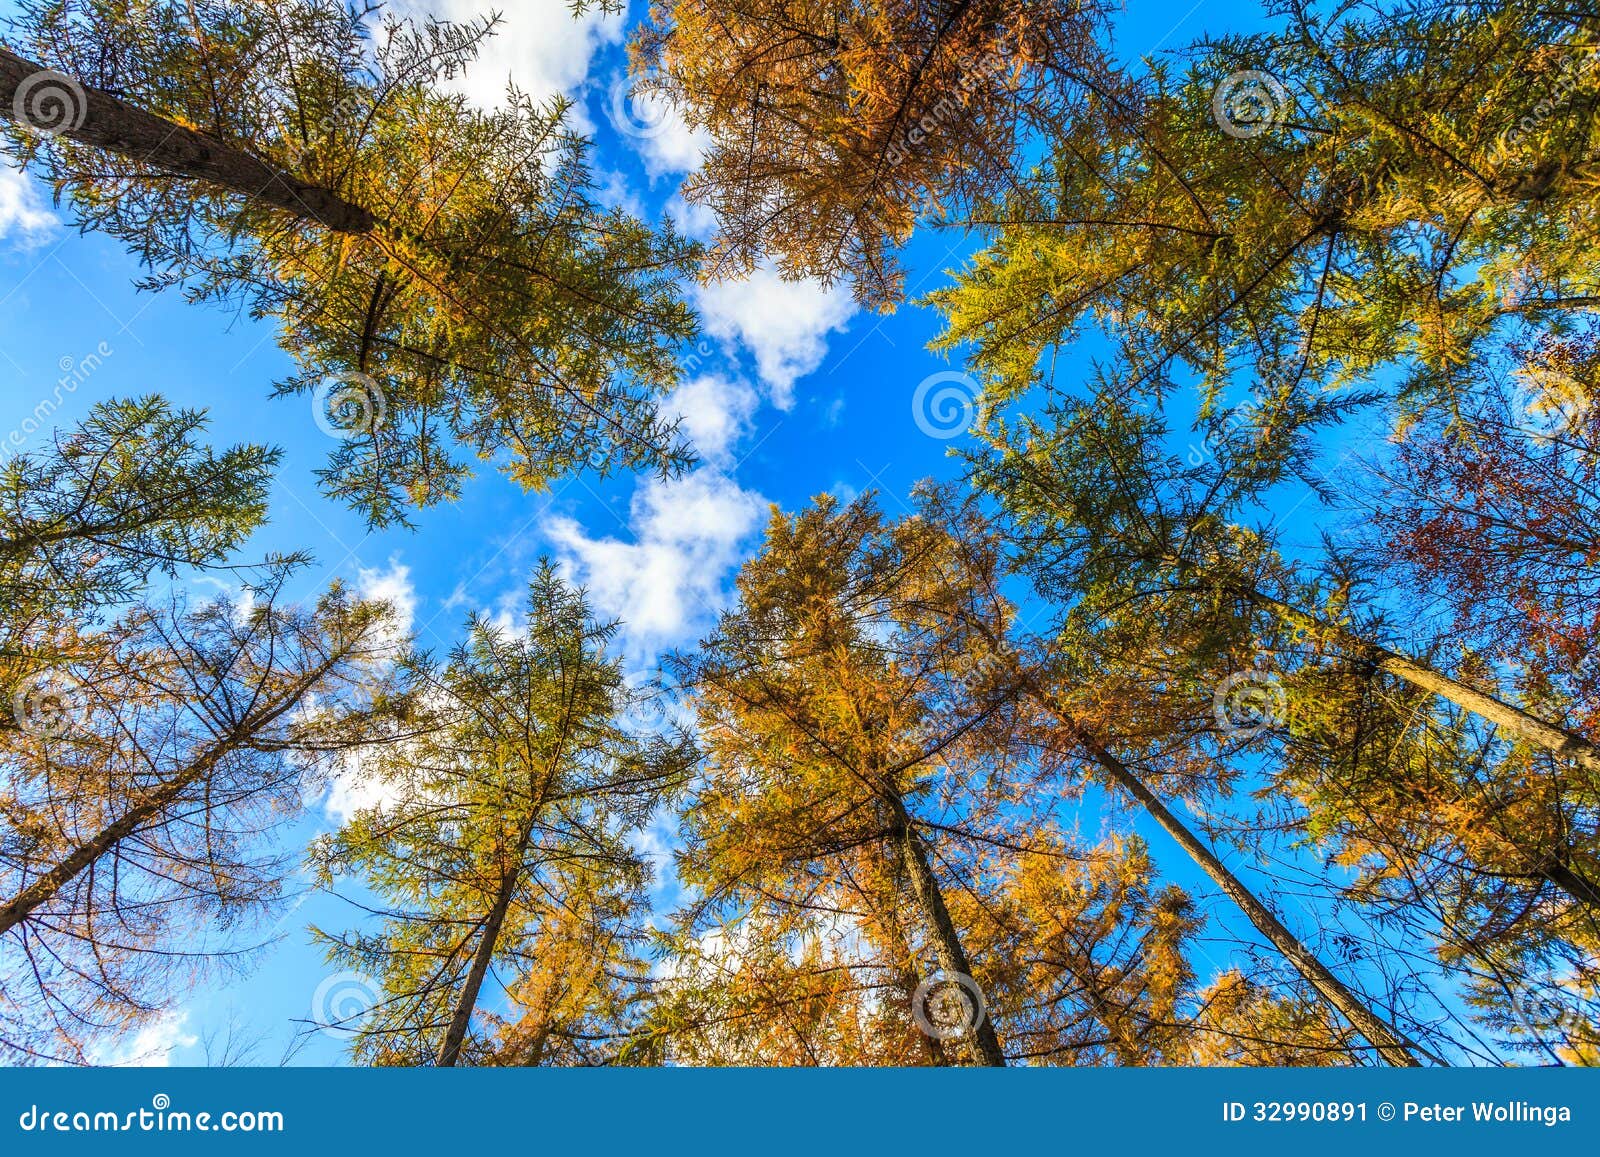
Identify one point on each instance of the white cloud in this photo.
(612, 191)
(687, 535)
(784, 324)
(695, 221)
(538, 46)
(677, 148)
(391, 585)
(716, 412)
(24, 216)
(652, 124)
(355, 787)
(244, 605)
(509, 613)
(152, 1046)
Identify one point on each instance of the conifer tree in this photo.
(152, 746)
(1101, 505)
(442, 275)
(860, 645)
(1102, 965)
(1091, 706)
(1159, 578)
(85, 522)
(500, 853)
(835, 126)
(1373, 191)
(1484, 852)
(1490, 517)
(142, 787)
(849, 720)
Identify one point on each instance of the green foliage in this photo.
(126, 494)
(86, 523)
(506, 836)
(1384, 212)
(464, 288)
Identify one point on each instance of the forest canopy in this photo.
(1229, 694)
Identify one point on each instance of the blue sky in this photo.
(793, 393)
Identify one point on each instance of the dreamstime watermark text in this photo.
(158, 1117)
(74, 372)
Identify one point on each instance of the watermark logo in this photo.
(638, 107)
(1250, 702)
(50, 103)
(1542, 1016)
(1575, 76)
(1248, 103)
(948, 1005)
(349, 405)
(946, 404)
(49, 703)
(74, 372)
(346, 110)
(948, 108)
(343, 1003)
(1548, 403)
(160, 1117)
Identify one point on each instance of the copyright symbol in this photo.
(1386, 1112)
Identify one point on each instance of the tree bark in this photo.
(1556, 740)
(983, 1041)
(906, 974)
(67, 869)
(1574, 884)
(142, 137)
(483, 956)
(467, 1001)
(1393, 1047)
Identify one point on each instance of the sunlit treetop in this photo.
(835, 125)
(1305, 208)
(499, 852)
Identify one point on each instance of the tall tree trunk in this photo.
(1556, 740)
(906, 975)
(982, 1040)
(70, 866)
(1574, 884)
(112, 124)
(1390, 1044)
(1530, 728)
(47, 886)
(535, 1050)
(467, 1001)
